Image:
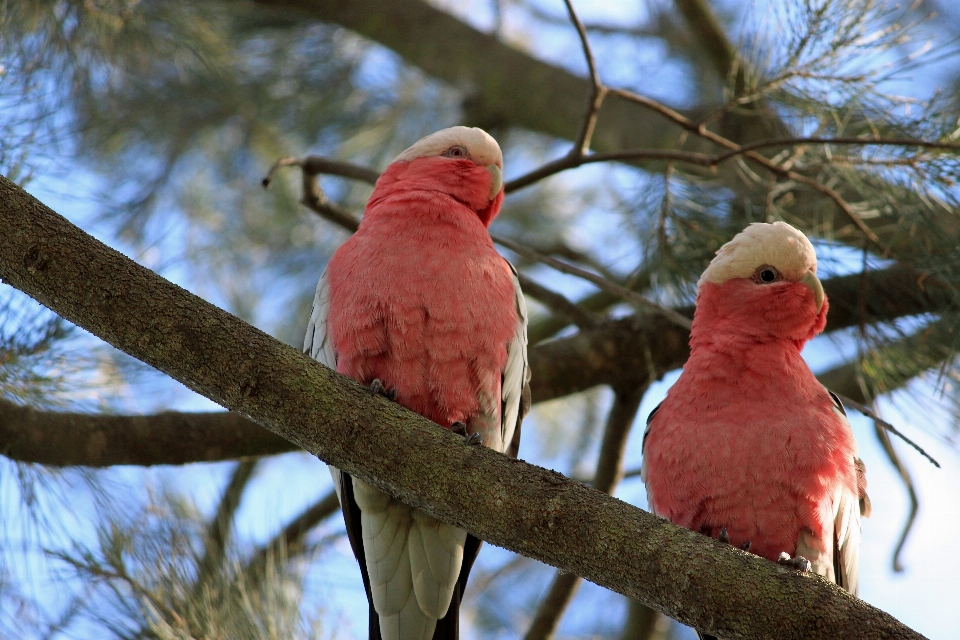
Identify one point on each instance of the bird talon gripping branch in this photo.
(378, 389)
(799, 563)
(475, 439)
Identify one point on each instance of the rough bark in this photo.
(521, 507)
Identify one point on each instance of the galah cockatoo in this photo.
(748, 446)
(419, 305)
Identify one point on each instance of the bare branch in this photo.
(313, 196)
(598, 92)
(559, 304)
(904, 474)
(62, 439)
(507, 502)
(318, 165)
(880, 422)
(600, 281)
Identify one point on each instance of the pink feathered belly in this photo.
(433, 326)
(765, 468)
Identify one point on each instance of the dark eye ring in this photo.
(457, 152)
(766, 275)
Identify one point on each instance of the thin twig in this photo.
(867, 411)
(911, 493)
(571, 161)
(313, 196)
(597, 91)
(602, 283)
(701, 130)
(313, 166)
(843, 140)
(319, 165)
(559, 304)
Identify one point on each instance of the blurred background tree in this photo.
(151, 124)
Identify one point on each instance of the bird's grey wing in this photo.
(515, 380)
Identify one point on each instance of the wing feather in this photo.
(515, 386)
(316, 343)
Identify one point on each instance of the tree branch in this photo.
(507, 502)
(610, 353)
(489, 72)
(608, 475)
(61, 439)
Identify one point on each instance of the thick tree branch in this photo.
(507, 502)
(62, 439)
(611, 353)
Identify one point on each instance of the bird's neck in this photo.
(424, 216)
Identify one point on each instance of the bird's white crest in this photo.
(775, 244)
(483, 149)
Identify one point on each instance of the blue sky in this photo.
(924, 595)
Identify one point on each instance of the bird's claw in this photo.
(474, 439)
(799, 563)
(460, 428)
(724, 537)
(377, 389)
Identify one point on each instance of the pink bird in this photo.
(748, 446)
(420, 306)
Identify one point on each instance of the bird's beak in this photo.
(496, 180)
(810, 280)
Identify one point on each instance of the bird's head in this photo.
(763, 285)
(462, 162)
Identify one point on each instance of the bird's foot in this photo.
(377, 389)
(799, 563)
(460, 428)
(724, 537)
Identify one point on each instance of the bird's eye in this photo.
(766, 275)
(456, 152)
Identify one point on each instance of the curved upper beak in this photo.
(496, 180)
(810, 280)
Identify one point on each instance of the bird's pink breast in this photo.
(748, 439)
(420, 299)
